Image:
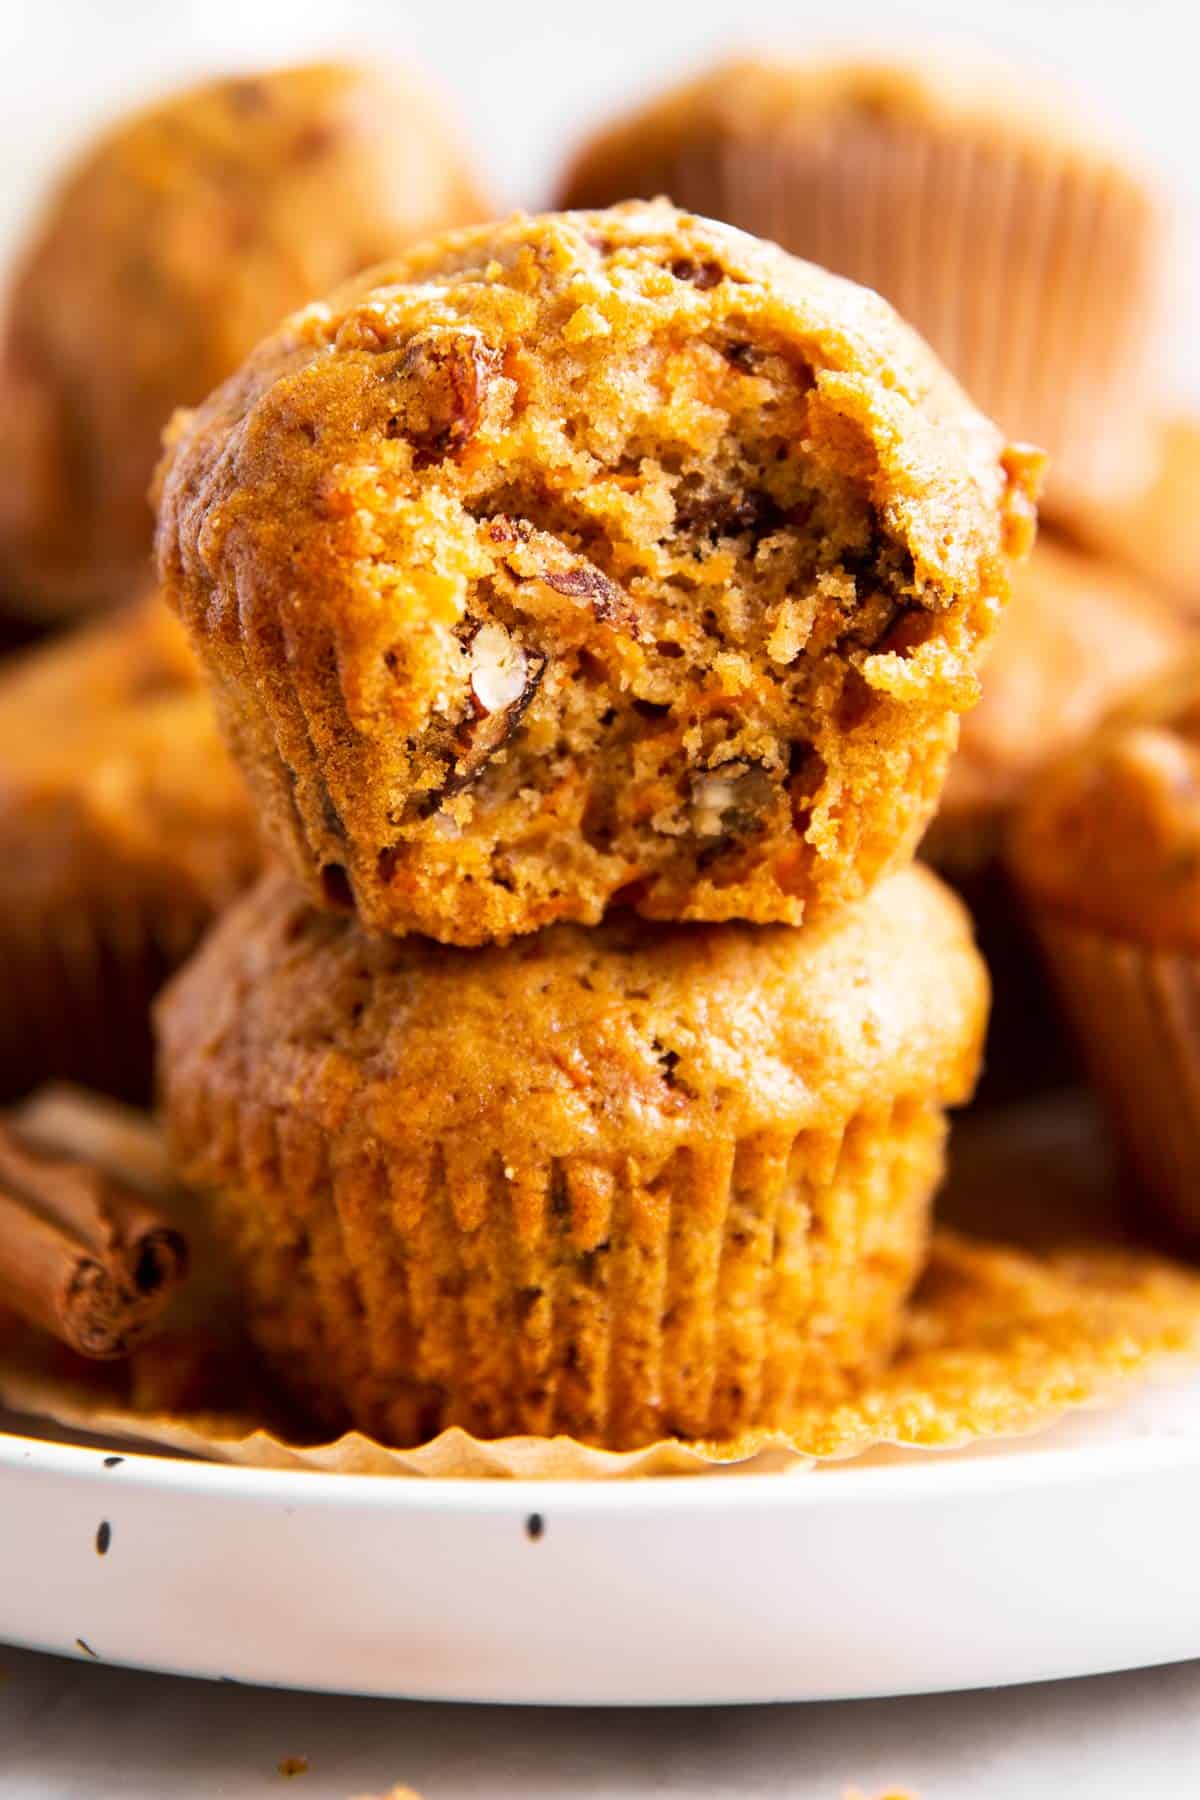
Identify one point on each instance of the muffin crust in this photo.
(582, 557)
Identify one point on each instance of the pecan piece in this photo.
(537, 556)
(445, 374)
(504, 677)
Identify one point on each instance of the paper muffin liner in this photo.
(612, 1298)
(79, 982)
(999, 1339)
(1033, 275)
(1135, 1011)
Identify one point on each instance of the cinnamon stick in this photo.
(82, 1254)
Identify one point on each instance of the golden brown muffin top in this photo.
(1110, 836)
(348, 433)
(1076, 635)
(184, 234)
(745, 98)
(626, 1036)
(112, 772)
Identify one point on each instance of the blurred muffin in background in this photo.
(1106, 852)
(1157, 531)
(1078, 635)
(1026, 251)
(183, 236)
(624, 1183)
(123, 829)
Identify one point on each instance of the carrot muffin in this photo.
(622, 1183)
(592, 556)
(124, 828)
(884, 173)
(1107, 854)
(182, 236)
(1156, 532)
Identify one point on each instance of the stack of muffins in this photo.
(589, 601)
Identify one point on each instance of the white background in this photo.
(527, 80)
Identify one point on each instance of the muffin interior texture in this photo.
(617, 585)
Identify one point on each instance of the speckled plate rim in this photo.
(1067, 1553)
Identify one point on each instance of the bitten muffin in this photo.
(1107, 854)
(1156, 532)
(883, 173)
(124, 827)
(182, 236)
(622, 1183)
(596, 556)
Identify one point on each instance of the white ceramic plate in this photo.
(1065, 1554)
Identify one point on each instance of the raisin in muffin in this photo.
(181, 237)
(1106, 851)
(622, 1183)
(883, 172)
(596, 556)
(124, 828)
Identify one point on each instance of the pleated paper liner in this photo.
(694, 1293)
(1136, 1014)
(1034, 274)
(1000, 1339)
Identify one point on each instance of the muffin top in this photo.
(420, 388)
(1076, 636)
(182, 236)
(1110, 836)
(628, 1036)
(112, 772)
(746, 98)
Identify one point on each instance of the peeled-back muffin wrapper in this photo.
(1047, 318)
(1000, 1339)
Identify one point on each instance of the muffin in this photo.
(884, 173)
(182, 236)
(1156, 532)
(591, 557)
(124, 827)
(1078, 635)
(1107, 854)
(623, 1183)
